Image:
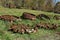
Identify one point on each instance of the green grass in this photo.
(42, 34)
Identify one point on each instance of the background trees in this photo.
(45, 5)
(57, 8)
(48, 5)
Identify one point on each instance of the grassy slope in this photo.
(42, 34)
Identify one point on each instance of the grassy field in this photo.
(42, 34)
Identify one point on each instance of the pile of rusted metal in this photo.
(22, 28)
